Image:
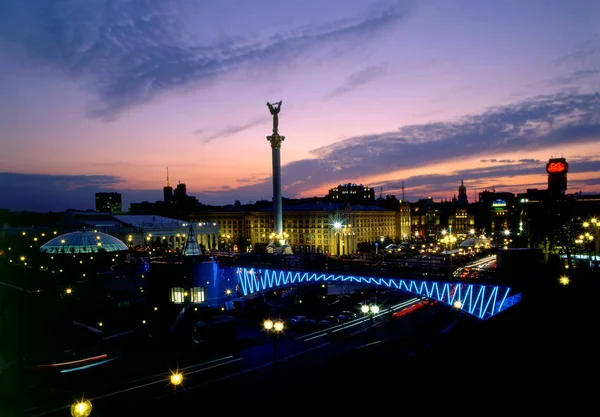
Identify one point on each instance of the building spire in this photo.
(168, 177)
(402, 190)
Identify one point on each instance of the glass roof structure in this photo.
(83, 242)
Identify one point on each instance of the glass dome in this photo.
(83, 242)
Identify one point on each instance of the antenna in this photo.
(402, 190)
(381, 192)
(168, 177)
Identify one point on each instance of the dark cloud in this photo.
(531, 125)
(52, 192)
(130, 51)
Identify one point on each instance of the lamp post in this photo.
(337, 227)
(276, 327)
(371, 310)
(593, 236)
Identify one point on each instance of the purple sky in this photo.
(105, 95)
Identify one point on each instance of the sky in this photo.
(406, 97)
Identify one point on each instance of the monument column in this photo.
(275, 139)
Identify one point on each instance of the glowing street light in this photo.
(371, 310)
(458, 306)
(337, 227)
(176, 378)
(81, 408)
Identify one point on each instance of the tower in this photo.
(275, 139)
(462, 193)
(167, 190)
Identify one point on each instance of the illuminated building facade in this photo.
(351, 193)
(309, 228)
(403, 225)
(461, 223)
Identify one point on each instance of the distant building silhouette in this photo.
(167, 191)
(109, 202)
(351, 193)
(462, 193)
(180, 194)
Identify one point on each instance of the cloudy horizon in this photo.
(406, 97)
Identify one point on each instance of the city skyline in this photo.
(406, 97)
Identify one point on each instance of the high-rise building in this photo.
(109, 202)
(557, 169)
(167, 190)
(180, 193)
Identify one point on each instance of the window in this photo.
(177, 295)
(197, 295)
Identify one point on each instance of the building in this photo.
(109, 202)
(462, 194)
(337, 229)
(351, 193)
(167, 191)
(557, 169)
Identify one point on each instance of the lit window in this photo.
(177, 296)
(197, 295)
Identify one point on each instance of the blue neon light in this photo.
(482, 301)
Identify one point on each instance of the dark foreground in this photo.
(538, 356)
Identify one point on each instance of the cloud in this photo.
(537, 123)
(504, 161)
(533, 124)
(30, 192)
(583, 53)
(231, 130)
(358, 79)
(129, 52)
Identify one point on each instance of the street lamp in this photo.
(276, 327)
(337, 227)
(371, 310)
(457, 305)
(81, 408)
(176, 379)
(593, 236)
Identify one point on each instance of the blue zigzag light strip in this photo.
(482, 301)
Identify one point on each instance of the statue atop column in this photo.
(275, 112)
